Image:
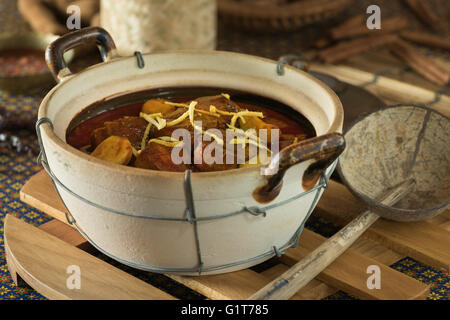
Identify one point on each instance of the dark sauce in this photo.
(93, 117)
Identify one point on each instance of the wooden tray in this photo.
(40, 256)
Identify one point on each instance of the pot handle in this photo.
(323, 149)
(54, 55)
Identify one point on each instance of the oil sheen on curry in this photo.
(202, 129)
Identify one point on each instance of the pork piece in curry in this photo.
(150, 139)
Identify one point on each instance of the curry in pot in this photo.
(171, 133)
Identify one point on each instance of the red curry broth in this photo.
(291, 123)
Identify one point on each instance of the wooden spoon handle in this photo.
(299, 275)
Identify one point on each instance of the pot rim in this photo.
(334, 126)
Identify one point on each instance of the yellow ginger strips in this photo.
(183, 105)
(245, 140)
(248, 139)
(246, 113)
(225, 95)
(191, 119)
(243, 132)
(212, 135)
(167, 141)
(135, 152)
(214, 110)
(153, 115)
(145, 137)
(178, 120)
(236, 115)
(155, 119)
(191, 111)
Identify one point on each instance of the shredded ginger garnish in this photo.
(247, 133)
(178, 120)
(245, 140)
(249, 138)
(135, 152)
(191, 119)
(183, 105)
(155, 119)
(146, 133)
(167, 141)
(160, 123)
(214, 110)
(241, 115)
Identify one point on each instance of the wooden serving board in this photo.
(55, 245)
(40, 256)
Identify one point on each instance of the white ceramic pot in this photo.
(170, 244)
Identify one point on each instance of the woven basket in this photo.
(278, 17)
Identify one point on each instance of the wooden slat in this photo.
(68, 234)
(423, 241)
(387, 88)
(244, 283)
(348, 273)
(42, 261)
(64, 232)
(236, 285)
(40, 193)
(315, 290)
(230, 286)
(337, 205)
(374, 250)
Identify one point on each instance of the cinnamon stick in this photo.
(388, 25)
(322, 43)
(353, 21)
(425, 14)
(351, 48)
(356, 20)
(426, 39)
(420, 63)
(40, 17)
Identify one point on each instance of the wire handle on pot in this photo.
(54, 55)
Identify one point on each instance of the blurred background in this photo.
(268, 28)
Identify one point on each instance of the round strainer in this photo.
(392, 145)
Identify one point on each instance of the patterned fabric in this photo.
(16, 169)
